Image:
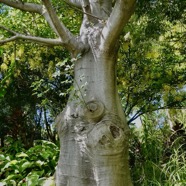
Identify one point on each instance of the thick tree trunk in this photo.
(92, 128)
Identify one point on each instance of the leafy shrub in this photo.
(32, 167)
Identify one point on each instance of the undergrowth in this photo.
(157, 158)
(32, 167)
(158, 154)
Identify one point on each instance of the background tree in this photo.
(31, 87)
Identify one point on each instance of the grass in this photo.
(158, 154)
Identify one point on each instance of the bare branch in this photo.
(63, 32)
(119, 17)
(49, 14)
(8, 40)
(40, 40)
(68, 39)
(172, 105)
(17, 36)
(30, 7)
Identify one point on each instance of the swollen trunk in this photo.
(92, 128)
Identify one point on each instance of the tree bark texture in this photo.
(92, 128)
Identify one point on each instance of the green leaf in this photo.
(39, 95)
(56, 74)
(32, 180)
(9, 164)
(2, 92)
(41, 181)
(21, 155)
(39, 163)
(48, 143)
(45, 154)
(12, 182)
(22, 183)
(8, 158)
(12, 177)
(2, 157)
(26, 165)
(61, 63)
(40, 173)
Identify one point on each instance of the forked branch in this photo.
(63, 32)
(32, 8)
(66, 37)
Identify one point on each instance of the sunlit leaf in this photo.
(21, 155)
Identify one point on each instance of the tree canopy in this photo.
(151, 60)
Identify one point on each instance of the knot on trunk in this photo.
(108, 137)
(115, 131)
(93, 111)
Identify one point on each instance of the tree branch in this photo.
(49, 14)
(119, 17)
(17, 36)
(63, 32)
(30, 7)
(76, 3)
(68, 39)
(168, 106)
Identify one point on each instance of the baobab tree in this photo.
(92, 128)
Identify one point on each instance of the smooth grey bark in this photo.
(92, 128)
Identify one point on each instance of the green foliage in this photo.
(32, 167)
(157, 154)
(151, 62)
(35, 87)
(175, 169)
(173, 10)
(8, 73)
